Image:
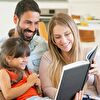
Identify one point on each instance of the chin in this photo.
(22, 68)
(66, 50)
(28, 39)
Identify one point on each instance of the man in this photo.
(26, 19)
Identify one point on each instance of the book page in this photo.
(91, 54)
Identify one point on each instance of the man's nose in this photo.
(33, 27)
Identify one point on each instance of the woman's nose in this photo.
(64, 39)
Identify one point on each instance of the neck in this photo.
(66, 56)
(16, 33)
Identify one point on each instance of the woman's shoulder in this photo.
(47, 53)
(47, 56)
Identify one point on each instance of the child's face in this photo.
(19, 62)
(63, 37)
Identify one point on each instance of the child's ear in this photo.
(8, 58)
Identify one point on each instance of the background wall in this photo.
(82, 7)
(85, 7)
(6, 16)
(7, 12)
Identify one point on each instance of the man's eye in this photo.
(28, 22)
(36, 23)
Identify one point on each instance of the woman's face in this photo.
(63, 37)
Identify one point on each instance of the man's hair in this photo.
(26, 5)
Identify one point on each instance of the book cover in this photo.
(72, 80)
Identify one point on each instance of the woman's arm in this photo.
(97, 76)
(97, 83)
(47, 87)
(96, 72)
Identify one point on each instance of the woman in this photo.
(64, 48)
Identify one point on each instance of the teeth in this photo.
(23, 64)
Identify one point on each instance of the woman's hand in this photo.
(94, 70)
(79, 96)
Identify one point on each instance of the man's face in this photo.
(27, 25)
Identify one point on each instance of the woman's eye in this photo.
(67, 34)
(57, 37)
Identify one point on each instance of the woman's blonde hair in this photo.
(14, 47)
(57, 59)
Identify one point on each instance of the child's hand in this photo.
(33, 79)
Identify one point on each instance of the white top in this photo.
(46, 60)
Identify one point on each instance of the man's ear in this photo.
(15, 19)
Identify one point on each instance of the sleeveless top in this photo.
(29, 93)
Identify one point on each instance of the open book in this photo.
(73, 77)
(91, 54)
(72, 80)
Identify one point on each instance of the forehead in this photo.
(30, 15)
(61, 29)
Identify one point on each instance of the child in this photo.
(16, 82)
(11, 32)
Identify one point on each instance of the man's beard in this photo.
(22, 32)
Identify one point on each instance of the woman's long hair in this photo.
(14, 47)
(58, 60)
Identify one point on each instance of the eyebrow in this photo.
(67, 31)
(32, 21)
(63, 33)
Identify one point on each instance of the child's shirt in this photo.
(30, 92)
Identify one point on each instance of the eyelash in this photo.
(28, 22)
(65, 35)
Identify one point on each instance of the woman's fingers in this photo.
(79, 95)
(94, 71)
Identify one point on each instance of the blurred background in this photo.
(85, 13)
